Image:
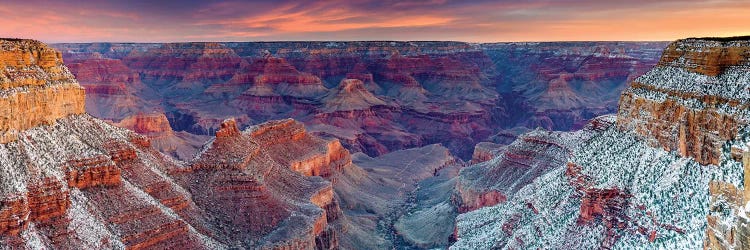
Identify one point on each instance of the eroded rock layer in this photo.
(694, 100)
(35, 87)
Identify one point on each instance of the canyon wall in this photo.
(36, 87)
(694, 100)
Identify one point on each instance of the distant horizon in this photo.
(481, 21)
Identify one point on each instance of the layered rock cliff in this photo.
(35, 87)
(71, 181)
(696, 103)
(694, 100)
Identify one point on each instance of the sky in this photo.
(283, 20)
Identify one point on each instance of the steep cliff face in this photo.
(70, 181)
(694, 100)
(666, 172)
(695, 103)
(36, 87)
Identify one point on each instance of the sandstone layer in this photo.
(35, 87)
(694, 100)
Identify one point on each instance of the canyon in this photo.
(375, 145)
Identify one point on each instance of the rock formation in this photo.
(532, 155)
(693, 119)
(257, 199)
(37, 88)
(181, 145)
(351, 94)
(485, 151)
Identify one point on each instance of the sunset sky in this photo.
(472, 21)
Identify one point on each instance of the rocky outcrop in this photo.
(36, 88)
(153, 125)
(99, 171)
(693, 101)
(707, 56)
(485, 151)
(255, 171)
(351, 94)
(228, 129)
(304, 153)
(157, 128)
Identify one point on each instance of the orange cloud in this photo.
(320, 19)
